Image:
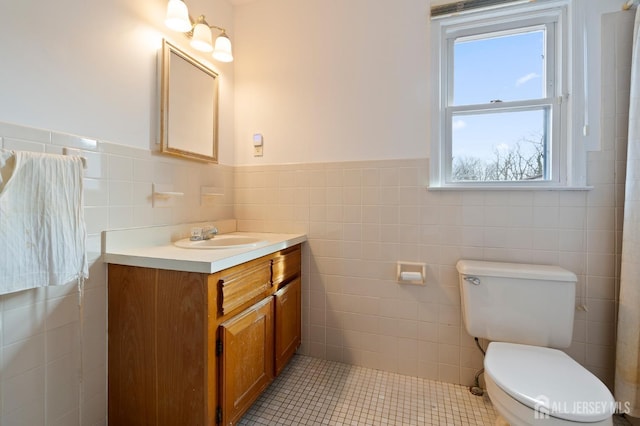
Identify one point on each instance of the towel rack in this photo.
(76, 152)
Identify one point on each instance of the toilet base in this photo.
(514, 413)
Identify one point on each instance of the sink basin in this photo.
(220, 242)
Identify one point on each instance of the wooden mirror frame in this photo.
(188, 106)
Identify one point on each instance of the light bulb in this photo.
(202, 38)
(222, 51)
(178, 16)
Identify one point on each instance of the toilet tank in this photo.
(518, 303)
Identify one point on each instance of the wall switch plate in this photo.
(258, 143)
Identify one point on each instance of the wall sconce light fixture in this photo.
(199, 31)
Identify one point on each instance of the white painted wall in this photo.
(332, 80)
(90, 67)
(349, 80)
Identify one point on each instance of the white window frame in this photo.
(568, 165)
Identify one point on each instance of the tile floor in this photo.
(313, 391)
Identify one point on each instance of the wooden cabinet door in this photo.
(287, 323)
(246, 359)
(132, 384)
(158, 348)
(181, 342)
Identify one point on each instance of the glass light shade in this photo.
(202, 38)
(178, 16)
(222, 50)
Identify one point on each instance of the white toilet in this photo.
(525, 310)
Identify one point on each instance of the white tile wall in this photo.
(53, 365)
(355, 312)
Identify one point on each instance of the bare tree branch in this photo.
(515, 164)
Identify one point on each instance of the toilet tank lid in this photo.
(514, 270)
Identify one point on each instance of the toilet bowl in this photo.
(531, 385)
(526, 311)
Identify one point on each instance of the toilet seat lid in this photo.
(548, 381)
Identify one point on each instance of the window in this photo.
(500, 110)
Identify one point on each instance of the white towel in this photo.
(42, 229)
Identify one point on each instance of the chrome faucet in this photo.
(209, 232)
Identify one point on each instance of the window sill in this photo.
(490, 187)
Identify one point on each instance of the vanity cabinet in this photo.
(189, 348)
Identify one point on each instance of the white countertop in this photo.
(153, 248)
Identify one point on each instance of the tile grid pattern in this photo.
(363, 217)
(312, 391)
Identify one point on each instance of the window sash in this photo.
(550, 60)
(552, 147)
(547, 71)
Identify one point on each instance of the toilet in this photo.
(526, 312)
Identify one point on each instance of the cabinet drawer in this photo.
(286, 265)
(243, 284)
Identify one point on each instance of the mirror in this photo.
(188, 107)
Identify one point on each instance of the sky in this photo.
(506, 68)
